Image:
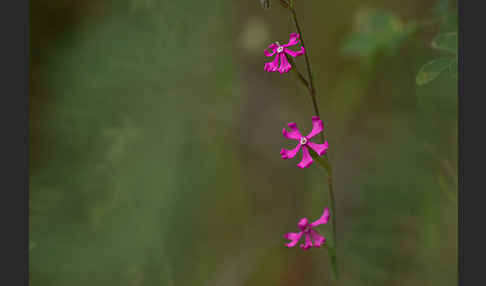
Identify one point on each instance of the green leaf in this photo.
(432, 70)
(446, 42)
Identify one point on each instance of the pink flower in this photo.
(281, 57)
(310, 234)
(304, 143)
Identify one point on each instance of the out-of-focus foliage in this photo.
(446, 12)
(382, 33)
(432, 69)
(446, 41)
(377, 31)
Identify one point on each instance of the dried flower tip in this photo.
(265, 4)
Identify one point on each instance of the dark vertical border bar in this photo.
(14, 118)
(471, 148)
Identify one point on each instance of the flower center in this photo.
(280, 49)
(303, 140)
(307, 228)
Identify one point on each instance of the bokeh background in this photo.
(155, 138)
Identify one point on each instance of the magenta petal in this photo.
(306, 158)
(293, 40)
(320, 149)
(318, 239)
(308, 242)
(294, 134)
(317, 127)
(285, 66)
(303, 223)
(273, 49)
(294, 237)
(295, 53)
(323, 219)
(273, 65)
(287, 154)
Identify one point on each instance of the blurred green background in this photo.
(155, 138)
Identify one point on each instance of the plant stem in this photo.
(332, 253)
(311, 86)
(325, 162)
(299, 75)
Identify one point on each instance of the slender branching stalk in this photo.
(309, 84)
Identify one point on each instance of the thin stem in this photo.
(331, 199)
(332, 250)
(306, 54)
(332, 256)
(297, 72)
(325, 162)
(328, 167)
(311, 87)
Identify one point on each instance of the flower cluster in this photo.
(281, 64)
